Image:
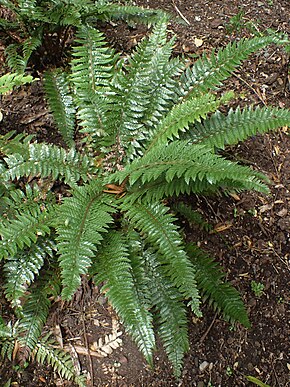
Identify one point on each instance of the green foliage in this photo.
(9, 80)
(257, 288)
(47, 23)
(151, 128)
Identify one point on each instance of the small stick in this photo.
(180, 14)
(250, 87)
(203, 337)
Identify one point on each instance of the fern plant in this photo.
(46, 25)
(148, 128)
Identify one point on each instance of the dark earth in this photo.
(250, 233)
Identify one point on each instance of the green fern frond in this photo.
(135, 86)
(130, 13)
(158, 227)
(92, 70)
(220, 130)
(61, 362)
(30, 45)
(21, 269)
(34, 313)
(10, 144)
(188, 164)
(82, 221)
(92, 61)
(24, 229)
(221, 295)
(114, 268)
(49, 160)
(14, 59)
(171, 312)
(181, 115)
(7, 339)
(191, 215)
(208, 73)
(61, 104)
(10, 80)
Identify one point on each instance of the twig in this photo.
(203, 337)
(250, 87)
(180, 14)
(87, 347)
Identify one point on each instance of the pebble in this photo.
(203, 366)
(200, 384)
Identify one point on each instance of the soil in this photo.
(249, 237)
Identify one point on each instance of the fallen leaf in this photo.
(221, 228)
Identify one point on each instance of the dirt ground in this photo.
(250, 233)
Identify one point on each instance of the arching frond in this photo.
(209, 72)
(181, 115)
(9, 80)
(82, 221)
(171, 312)
(61, 104)
(221, 295)
(158, 227)
(21, 269)
(33, 316)
(61, 362)
(220, 130)
(49, 160)
(114, 268)
(181, 164)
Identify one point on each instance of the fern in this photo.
(61, 105)
(10, 80)
(208, 72)
(45, 160)
(171, 314)
(37, 22)
(21, 269)
(114, 268)
(161, 232)
(220, 130)
(221, 295)
(150, 127)
(78, 239)
(33, 316)
(45, 352)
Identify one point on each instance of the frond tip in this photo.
(221, 295)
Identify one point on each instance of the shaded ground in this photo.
(250, 233)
